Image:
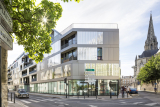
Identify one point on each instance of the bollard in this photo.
(14, 97)
(127, 94)
(78, 95)
(84, 95)
(11, 96)
(96, 94)
(117, 95)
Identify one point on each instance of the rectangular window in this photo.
(55, 60)
(87, 53)
(99, 53)
(90, 37)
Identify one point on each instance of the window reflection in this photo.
(104, 69)
(90, 37)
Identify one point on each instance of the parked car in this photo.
(133, 91)
(21, 93)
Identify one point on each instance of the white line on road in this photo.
(92, 106)
(150, 104)
(34, 101)
(137, 102)
(25, 101)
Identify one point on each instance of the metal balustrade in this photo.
(35, 79)
(66, 59)
(68, 44)
(32, 71)
(24, 74)
(28, 65)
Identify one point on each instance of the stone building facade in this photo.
(150, 49)
(127, 80)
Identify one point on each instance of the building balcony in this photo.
(24, 74)
(25, 83)
(32, 71)
(68, 59)
(68, 44)
(28, 65)
(35, 79)
(9, 79)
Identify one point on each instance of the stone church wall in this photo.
(148, 87)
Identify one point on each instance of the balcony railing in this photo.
(35, 79)
(25, 83)
(69, 43)
(24, 74)
(65, 59)
(28, 65)
(32, 71)
(9, 79)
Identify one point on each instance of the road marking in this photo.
(137, 102)
(92, 106)
(150, 104)
(25, 101)
(34, 101)
(123, 102)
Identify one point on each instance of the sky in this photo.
(132, 17)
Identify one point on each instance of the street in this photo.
(144, 99)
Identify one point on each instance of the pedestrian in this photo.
(123, 89)
(127, 90)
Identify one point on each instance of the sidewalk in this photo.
(16, 104)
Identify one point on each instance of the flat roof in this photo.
(91, 25)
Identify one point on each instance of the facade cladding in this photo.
(75, 50)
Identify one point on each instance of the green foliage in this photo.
(30, 29)
(28, 25)
(71, 0)
(149, 73)
(157, 61)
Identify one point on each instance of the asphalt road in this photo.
(143, 100)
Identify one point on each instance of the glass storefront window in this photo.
(77, 87)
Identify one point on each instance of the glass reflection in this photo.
(90, 37)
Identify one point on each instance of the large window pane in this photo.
(90, 37)
(55, 60)
(87, 53)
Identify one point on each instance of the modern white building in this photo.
(77, 50)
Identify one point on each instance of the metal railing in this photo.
(35, 79)
(24, 74)
(66, 59)
(32, 71)
(28, 65)
(91, 25)
(9, 79)
(69, 43)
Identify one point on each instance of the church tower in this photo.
(151, 42)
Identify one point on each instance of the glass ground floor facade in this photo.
(77, 87)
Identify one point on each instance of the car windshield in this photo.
(133, 88)
(22, 91)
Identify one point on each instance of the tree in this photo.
(32, 24)
(149, 73)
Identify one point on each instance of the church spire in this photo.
(151, 42)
